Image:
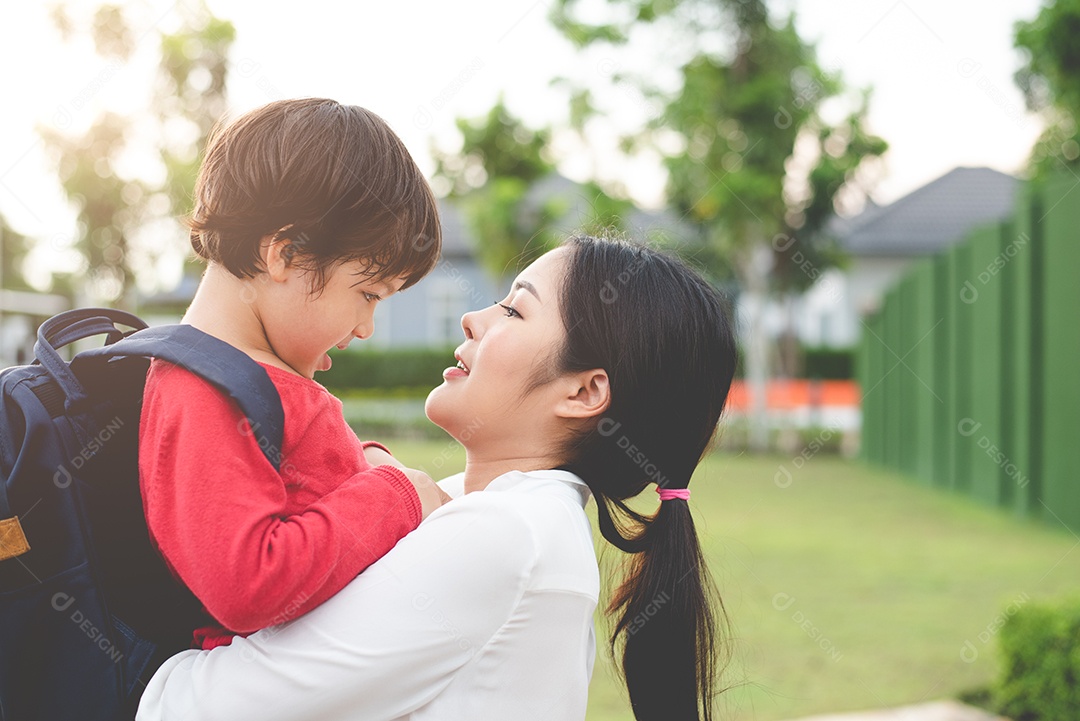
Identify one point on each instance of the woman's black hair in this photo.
(665, 337)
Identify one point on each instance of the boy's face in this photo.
(301, 325)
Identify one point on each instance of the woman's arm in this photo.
(387, 644)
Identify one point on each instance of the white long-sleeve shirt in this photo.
(485, 611)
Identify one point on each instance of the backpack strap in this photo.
(68, 327)
(228, 369)
(5, 506)
(54, 330)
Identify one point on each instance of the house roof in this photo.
(931, 218)
(664, 225)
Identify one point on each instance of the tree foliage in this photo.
(497, 178)
(1050, 81)
(14, 248)
(743, 109)
(111, 207)
(745, 117)
(193, 76)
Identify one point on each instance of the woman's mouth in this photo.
(459, 371)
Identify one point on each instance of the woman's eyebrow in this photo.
(527, 286)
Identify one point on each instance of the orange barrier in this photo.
(797, 393)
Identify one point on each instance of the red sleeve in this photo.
(374, 444)
(215, 507)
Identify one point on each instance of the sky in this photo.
(941, 73)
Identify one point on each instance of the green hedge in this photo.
(413, 368)
(829, 363)
(421, 368)
(1040, 680)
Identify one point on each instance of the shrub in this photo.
(413, 368)
(829, 363)
(1040, 680)
(382, 415)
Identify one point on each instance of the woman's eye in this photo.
(370, 297)
(511, 312)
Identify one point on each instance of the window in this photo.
(446, 304)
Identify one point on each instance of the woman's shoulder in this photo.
(530, 497)
(534, 517)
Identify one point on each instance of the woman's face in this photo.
(486, 399)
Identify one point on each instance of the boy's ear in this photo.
(588, 394)
(277, 254)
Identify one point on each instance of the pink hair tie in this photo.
(666, 494)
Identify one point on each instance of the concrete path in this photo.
(934, 711)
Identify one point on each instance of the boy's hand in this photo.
(431, 496)
(378, 457)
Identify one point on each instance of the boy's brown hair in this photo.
(334, 179)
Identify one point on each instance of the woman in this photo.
(605, 370)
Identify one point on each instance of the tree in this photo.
(111, 207)
(192, 88)
(1050, 81)
(14, 248)
(745, 112)
(501, 161)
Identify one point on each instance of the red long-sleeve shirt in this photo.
(258, 547)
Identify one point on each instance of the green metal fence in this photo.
(971, 369)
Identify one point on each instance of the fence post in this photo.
(963, 423)
(944, 425)
(924, 396)
(892, 384)
(986, 444)
(1018, 352)
(1059, 453)
(873, 391)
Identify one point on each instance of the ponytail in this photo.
(664, 618)
(666, 340)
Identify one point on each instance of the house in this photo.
(883, 241)
(429, 314)
(21, 312)
(663, 227)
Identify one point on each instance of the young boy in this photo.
(308, 213)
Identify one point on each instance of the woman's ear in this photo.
(588, 394)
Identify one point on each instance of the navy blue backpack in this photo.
(88, 608)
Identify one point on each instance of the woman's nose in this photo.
(470, 324)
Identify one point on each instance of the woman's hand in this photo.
(431, 496)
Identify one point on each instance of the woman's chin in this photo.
(447, 413)
(435, 407)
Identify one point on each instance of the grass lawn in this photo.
(849, 588)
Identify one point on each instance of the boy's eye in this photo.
(371, 297)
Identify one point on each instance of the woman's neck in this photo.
(480, 472)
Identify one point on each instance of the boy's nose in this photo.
(365, 329)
